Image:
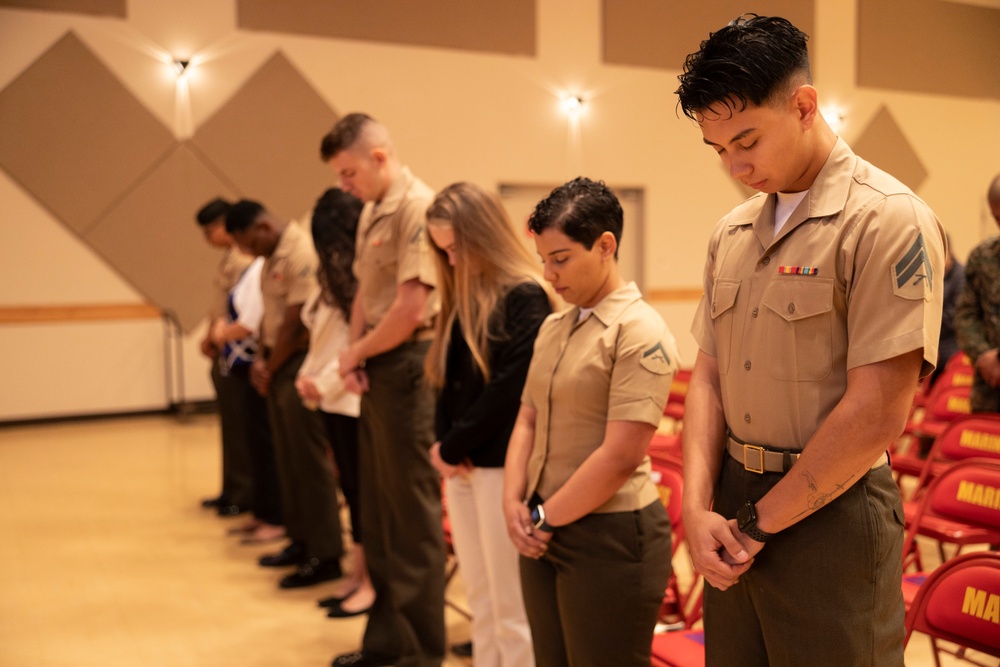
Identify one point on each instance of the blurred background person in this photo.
(325, 314)
(236, 336)
(234, 496)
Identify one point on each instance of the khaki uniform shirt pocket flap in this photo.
(800, 298)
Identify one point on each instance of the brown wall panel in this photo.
(661, 33)
(266, 138)
(151, 237)
(99, 7)
(884, 144)
(476, 25)
(74, 136)
(929, 46)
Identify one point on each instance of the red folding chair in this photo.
(961, 507)
(975, 436)
(960, 603)
(969, 436)
(666, 445)
(681, 604)
(674, 409)
(685, 648)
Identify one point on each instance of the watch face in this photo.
(745, 515)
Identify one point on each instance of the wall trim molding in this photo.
(78, 313)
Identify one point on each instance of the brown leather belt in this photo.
(759, 459)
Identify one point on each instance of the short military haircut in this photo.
(243, 215)
(748, 62)
(214, 210)
(582, 210)
(345, 133)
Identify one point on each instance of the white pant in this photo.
(489, 566)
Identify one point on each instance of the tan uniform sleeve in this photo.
(414, 258)
(895, 284)
(301, 274)
(645, 363)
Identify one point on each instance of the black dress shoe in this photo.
(463, 650)
(217, 501)
(313, 572)
(336, 611)
(293, 554)
(334, 601)
(361, 659)
(231, 510)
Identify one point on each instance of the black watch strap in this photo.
(746, 518)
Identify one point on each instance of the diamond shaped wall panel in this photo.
(74, 136)
(151, 237)
(266, 139)
(885, 146)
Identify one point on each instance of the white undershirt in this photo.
(787, 201)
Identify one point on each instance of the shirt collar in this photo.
(396, 193)
(611, 306)
(827, 194)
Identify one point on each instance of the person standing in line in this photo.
(237, 337)
(821, 308)
(977, 315)
(308, 486)
(236, 493)
(580, 505)
(492, 304)
(325, 314)
(392, 322)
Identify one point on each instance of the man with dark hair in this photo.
(391, 328)
(821, 309)
(237, 483)
(977, 315)
(308, 485)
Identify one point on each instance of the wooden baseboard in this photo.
(78, 313)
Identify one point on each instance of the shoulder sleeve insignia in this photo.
(912, 273)
(656, 360)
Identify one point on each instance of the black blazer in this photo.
(474, 419)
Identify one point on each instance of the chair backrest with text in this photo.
(961, 507)
(960, 603)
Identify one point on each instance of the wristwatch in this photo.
(538, 519)
(746, 518)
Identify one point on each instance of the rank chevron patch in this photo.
(913, 273)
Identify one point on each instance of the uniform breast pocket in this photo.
(723, 300)
(800, 328)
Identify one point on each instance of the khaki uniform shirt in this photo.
(615, 365)
(288, 279)
(854, 277)
(231, 267)
(393, 248)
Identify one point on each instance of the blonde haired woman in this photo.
(492, 304)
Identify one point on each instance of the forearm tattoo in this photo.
(816, 498)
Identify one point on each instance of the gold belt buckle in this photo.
(760, 457)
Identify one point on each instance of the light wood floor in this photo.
(107, 559)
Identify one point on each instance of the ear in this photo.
(608, 245)
(806, 103)
(379, 156)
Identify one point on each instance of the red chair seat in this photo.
(684, 648)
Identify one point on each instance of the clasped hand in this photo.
(720, 552)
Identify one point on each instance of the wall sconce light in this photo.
(573, 105)
(180, 66)
(834, 117)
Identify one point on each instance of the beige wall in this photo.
(454, 115)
